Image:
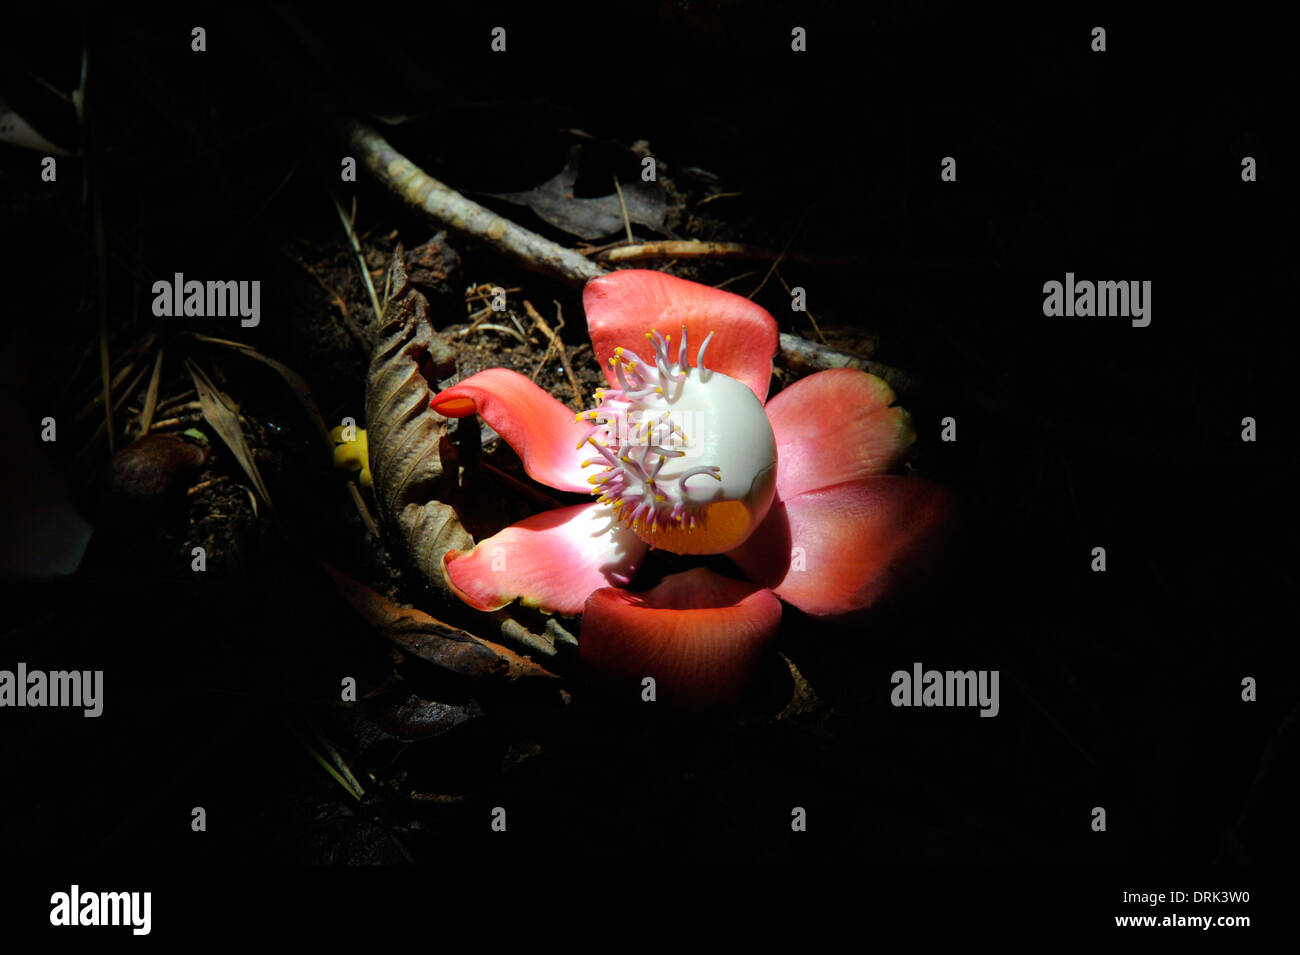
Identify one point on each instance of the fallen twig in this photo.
(807, 311)
(453, 211)
(489, 327)
(623, 253)
(780, 256)
(735, 278)
(204, 485)
(682, 249)
(800, 355)
(557, 344)
(167, 424)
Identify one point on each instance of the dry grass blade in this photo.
(296, 382)
(627, 224)
(354, 792)
(298, 385)
(116, 408)
(220, 413)
(338, 761)
(151, 396)
(115, 383)
(350, 229)
(105, 362)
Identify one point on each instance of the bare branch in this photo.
(453, 211)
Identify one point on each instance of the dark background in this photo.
(1119, 690)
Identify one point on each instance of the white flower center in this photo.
(688, 455)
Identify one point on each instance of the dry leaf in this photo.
(555, 202)
(408, 717)
(296, 382)
(406, 437)
(436, 642)
(219, 411)
(14, 129)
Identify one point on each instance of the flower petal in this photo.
(841, 548)
(542, 431)
(836, 426)
(552, 560)
(698, 634)
(623, 306)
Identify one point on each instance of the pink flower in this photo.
(686, 457)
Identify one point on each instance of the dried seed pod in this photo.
(149, 467)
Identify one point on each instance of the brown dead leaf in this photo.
(16, 130)
(428, 638)
(554, 202)
(408, 440)
(297, 384)
(219, 411)
(406, 716)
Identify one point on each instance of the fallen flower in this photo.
(689, 459)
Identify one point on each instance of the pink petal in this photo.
(552, 560)
(542, 431)
(623, 306)
(698, 634)
(836, 426)
(842, 548)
